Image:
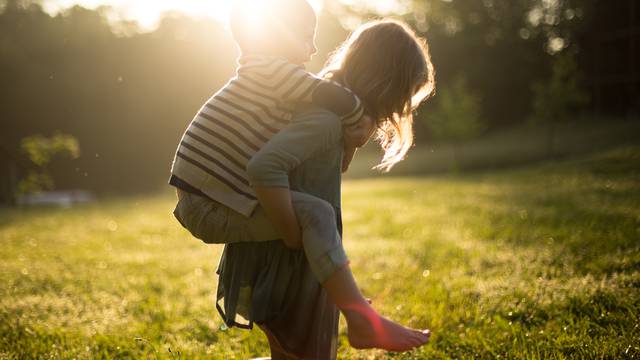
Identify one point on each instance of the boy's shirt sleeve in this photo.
(292, 83)
(339, 100)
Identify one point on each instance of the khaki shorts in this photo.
(215, 223)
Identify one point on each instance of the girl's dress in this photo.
(265, 282)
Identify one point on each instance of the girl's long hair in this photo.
(389, 67)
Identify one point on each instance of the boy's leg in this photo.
(215, 223)
(320, 238)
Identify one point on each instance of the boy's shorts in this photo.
(215, 223)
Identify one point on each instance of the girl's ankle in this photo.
(359, 312)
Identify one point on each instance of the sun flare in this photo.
(149, 12)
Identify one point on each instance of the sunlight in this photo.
(149, 12)
(383, 7)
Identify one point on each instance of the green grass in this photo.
(538, 262)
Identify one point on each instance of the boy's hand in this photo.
(293, 244)
(293, 237)
(356, 136)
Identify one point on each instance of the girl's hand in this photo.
(356, 136)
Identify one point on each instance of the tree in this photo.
(41, 151)
(556, 99)
(127, 99)
(457, 115)
(502, 46)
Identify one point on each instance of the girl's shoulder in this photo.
(321, 123)
(316, 115)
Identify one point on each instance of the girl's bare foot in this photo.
(367, 329)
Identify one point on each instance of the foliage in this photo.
(457, 116)
(128, 98)
(560, 96)
(539, 263)
(35, 182)
(41, 151)
(499, 20)
(502, 46)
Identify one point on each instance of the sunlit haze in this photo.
(148, 12)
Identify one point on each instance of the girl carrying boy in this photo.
(295, 176)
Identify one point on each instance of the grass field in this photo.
(536, 262)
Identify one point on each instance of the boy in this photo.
(216, 201)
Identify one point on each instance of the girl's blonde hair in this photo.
(389, 67)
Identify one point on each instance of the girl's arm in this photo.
(269, 169)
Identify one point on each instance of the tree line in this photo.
(127, 99)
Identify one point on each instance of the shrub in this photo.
(41, 150)
(560, 96)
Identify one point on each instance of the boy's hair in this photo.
(389, 67)
(266, 25)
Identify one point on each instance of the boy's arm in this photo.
(269, 168)
(356, 136)
(339, 100)
(292, 83)
(276, 203)
(344, 103)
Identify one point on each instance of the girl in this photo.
(389, 69)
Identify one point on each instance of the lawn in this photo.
(535, 262)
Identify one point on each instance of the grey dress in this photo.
(265, 282)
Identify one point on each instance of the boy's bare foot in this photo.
(367, 329)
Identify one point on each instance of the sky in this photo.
(148, 12)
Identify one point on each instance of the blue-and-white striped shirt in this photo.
(241, 117)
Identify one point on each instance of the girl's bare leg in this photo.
(366, 328)
(277, 352)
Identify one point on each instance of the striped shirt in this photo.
(240, 118)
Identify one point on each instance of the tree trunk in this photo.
(550, 139)
(457, 157)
